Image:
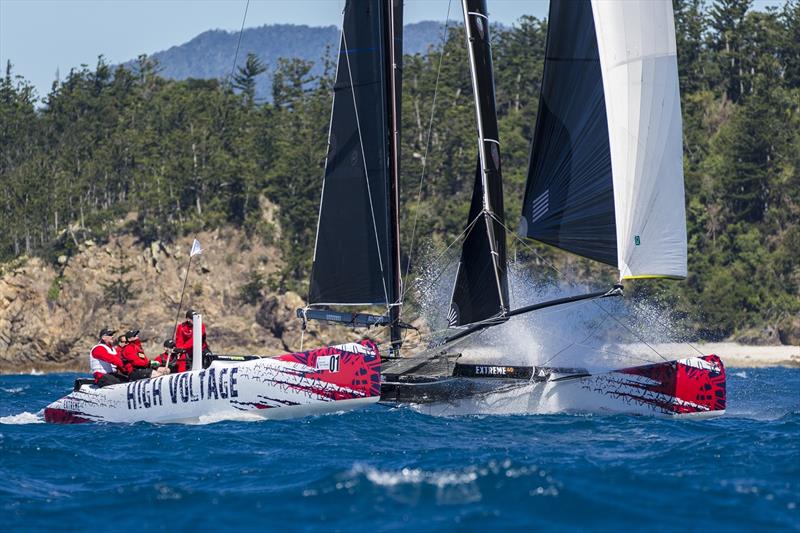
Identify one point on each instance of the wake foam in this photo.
(599, 334)
(23, 418)
(445, 487)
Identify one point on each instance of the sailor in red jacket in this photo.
(184, 342)
(105, 361)
(167, 359)
(136, 363)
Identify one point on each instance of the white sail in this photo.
(636, 44)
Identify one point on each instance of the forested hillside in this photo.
(127, 150)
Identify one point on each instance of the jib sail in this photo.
(569, 199)
(605, 178)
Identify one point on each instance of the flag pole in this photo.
(196, 250)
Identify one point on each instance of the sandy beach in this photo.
(739, 355)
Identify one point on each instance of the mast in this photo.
(481, 288)
(394, 43)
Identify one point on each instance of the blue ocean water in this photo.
(387, 469)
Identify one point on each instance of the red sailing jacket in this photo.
(183, 336)
(133, 357)
(180, 360)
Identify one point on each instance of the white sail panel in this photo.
(636, 44)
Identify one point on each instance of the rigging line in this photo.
(582, 345)
(689, 344)
(239, 42)
(233, 67)
(467, 229)
(630, 330)
(573, 343)
(528, 246)
(457, 239)
(427, 147)
(366, 170)
(551, 265)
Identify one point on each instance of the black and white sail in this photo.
(356, 254)
(605, 179)
(481, 287)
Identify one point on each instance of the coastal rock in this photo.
(50, 314)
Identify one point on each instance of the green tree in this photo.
(245, 78)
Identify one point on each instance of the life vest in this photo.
(98, 366)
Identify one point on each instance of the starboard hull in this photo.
(693, 387)
(324, 380)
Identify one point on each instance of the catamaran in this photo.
(605, 181)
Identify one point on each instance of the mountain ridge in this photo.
(210, 53)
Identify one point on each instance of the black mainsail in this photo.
(569, 197)
(481, 288)
(356, 255)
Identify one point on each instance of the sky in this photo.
(41, 37)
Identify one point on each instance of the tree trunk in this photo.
(196, 180)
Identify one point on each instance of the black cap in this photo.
(104, 332)
(190, 313)
(169, 343)
(132, 333)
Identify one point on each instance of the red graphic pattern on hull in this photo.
(62, 416)
(681, 387)
(358, 372)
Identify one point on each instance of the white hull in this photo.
(550, 398)
(325, 380)
(692, 387)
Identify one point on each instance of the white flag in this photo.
(196, 250)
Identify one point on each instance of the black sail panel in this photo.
(481, 289)
(569, 197)
(475, 295)
(352, 257)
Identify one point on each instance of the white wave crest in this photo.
(23, 418)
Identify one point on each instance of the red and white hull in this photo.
(324, 380)
(693, 387)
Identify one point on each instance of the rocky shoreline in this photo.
(50, 313)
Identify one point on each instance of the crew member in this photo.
(105, 361)
(184, 342)
(168, 358)
(136, 363)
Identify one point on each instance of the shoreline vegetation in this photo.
(109, 174)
